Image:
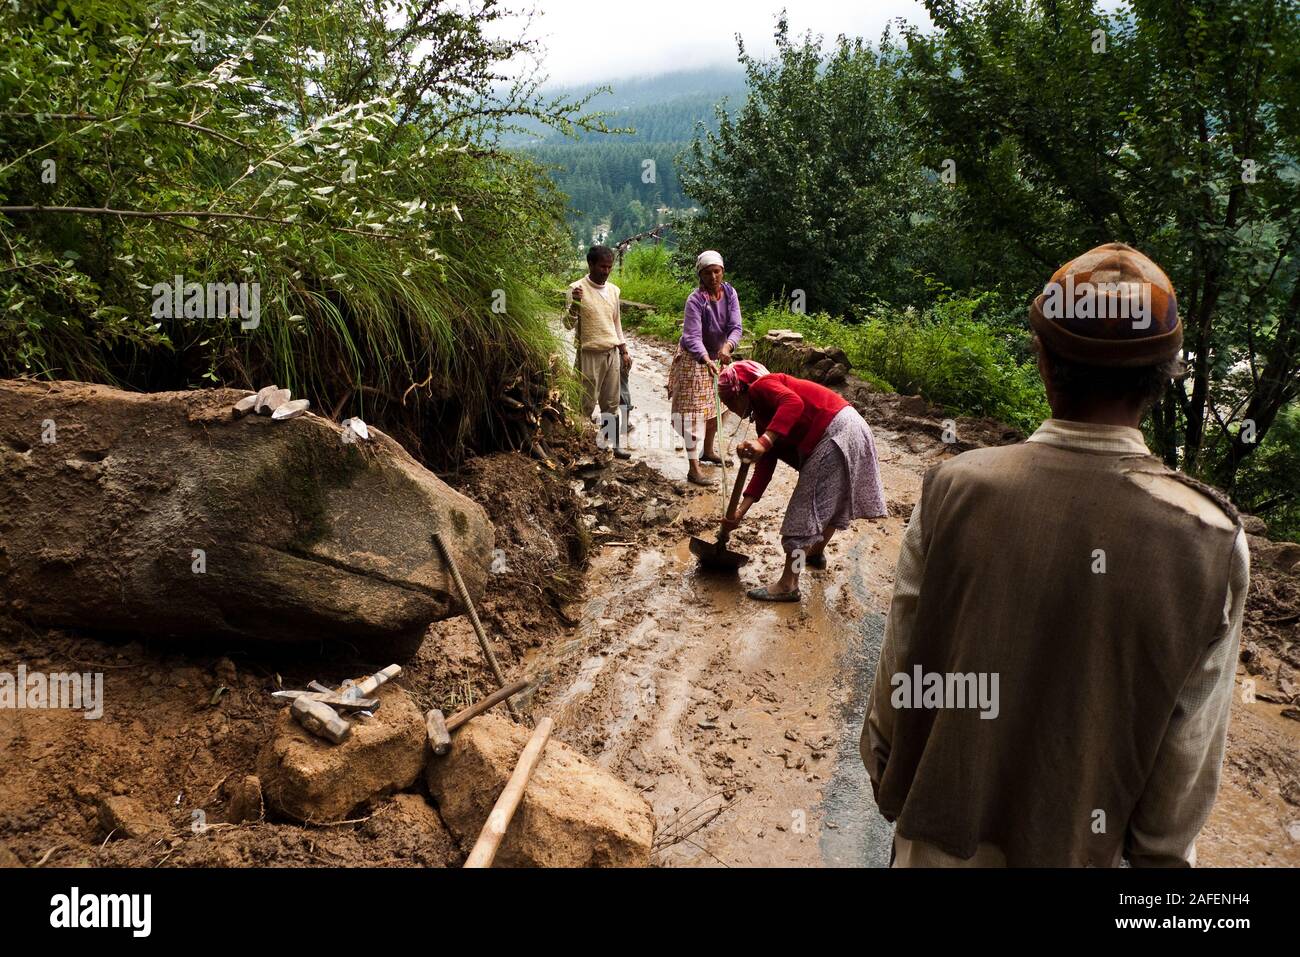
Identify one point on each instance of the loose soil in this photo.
(737, 721)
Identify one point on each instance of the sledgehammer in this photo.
(440, 728)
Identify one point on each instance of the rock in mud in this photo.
(307, 779)
(123, 816)
(165, 514)
(246, 801)
(573, 814)
(784, 351)
(407, 828)
(8, 858)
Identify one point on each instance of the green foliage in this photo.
(1173, 127)
(338, 155)
(811, 186)
(944, 353)
(606, 185)
(608, 188)
(647, 274)
(1268, 482)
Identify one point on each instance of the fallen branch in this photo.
(674, 833)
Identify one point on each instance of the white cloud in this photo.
(587, 42)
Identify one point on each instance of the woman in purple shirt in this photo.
(710, 331)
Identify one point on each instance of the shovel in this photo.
(716, 554)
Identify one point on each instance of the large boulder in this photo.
(574, 813)
(164, 514)
(782, 350)
(308, 779)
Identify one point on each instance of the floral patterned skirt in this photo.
(840, 481)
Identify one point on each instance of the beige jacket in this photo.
(1183, 785)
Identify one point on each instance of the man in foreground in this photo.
(593, 306)
(1095, 593)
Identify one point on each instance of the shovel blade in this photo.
(716, 554)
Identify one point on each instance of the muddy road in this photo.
(738, 720)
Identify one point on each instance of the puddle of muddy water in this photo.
(853, 832)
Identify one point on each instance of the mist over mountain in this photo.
(661, 108)
(621, 184)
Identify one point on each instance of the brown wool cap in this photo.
(1112, 306)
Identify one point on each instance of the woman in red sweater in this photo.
(815, 431)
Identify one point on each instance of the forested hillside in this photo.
(620, 184)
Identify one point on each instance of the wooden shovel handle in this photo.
(735, 491)
(489, 839)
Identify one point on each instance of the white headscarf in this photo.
(710, 257)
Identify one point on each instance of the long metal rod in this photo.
(473, 618)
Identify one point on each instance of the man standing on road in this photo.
(602, 356)
(1057, 669)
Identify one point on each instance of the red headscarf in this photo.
(736, 378)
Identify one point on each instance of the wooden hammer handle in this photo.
(483, 704)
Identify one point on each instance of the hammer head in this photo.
(439, 738)
(320, 719)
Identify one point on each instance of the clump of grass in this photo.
(942, 353)
(648, 275)
(400, 255)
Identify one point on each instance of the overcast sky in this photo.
(593, 42)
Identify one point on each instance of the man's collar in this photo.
(1091, 437)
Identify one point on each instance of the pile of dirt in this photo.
(183, 725)
(548, 517)
(1270, 638)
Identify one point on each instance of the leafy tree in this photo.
(1169, 125)
(340, 155)
(811, 184)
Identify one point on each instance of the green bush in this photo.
(384, 231)
(647, 275)
(942, 353)
(1268, 482)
